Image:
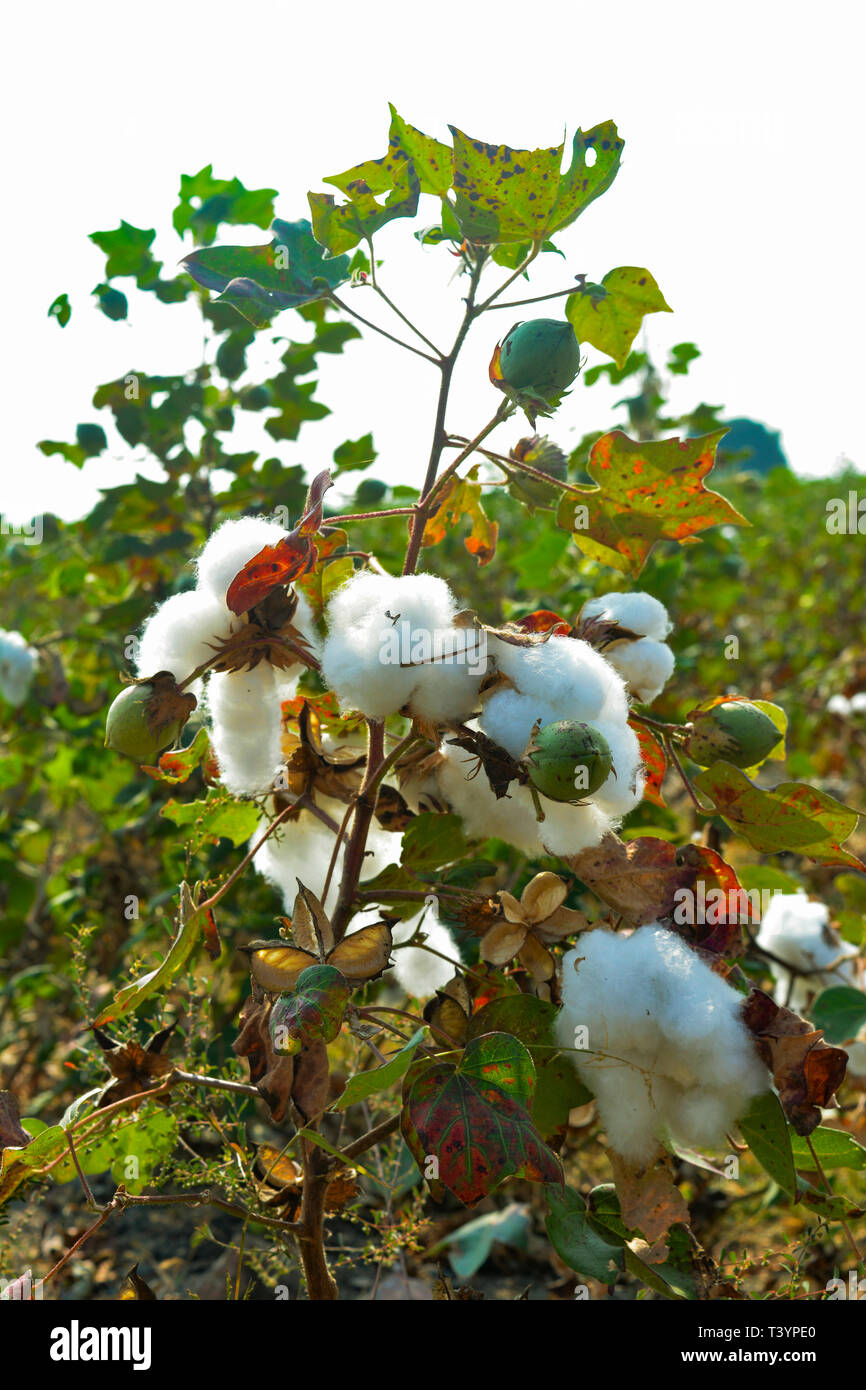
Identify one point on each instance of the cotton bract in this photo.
(392, 644)
(17, 667)
(799, 933)
(667, 1056)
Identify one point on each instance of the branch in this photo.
(332, 299)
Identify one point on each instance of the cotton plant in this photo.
(385, 736)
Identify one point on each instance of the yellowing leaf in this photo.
(609, 315)
(460, 498)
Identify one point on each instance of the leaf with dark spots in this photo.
(432, 161)
(503, 194)
(340, 226)
(583, 182)
(806, 1071)
(646, 491)
(611, 319)
(473, 1120)
(792, 816)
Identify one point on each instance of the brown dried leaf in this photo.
(638, 879)
(270, 1072)
(12, 1135)
(311, 1088)
(807, 1071)
(650, 1202)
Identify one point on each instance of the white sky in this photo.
(740, 189)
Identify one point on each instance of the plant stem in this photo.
(391, 305)
(385, 334)
(320, 1285)
(525, 263)
(535, 299)
(365, 805)
(91, 1201)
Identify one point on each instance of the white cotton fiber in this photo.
(646, 666)
(639, 612)
(799, 932)
(244, 709)
(182, 634)
(418, 972)
(302, 849)
(567, 674)
(667, 1055)
(839, 704)
(233, 545)
(391, 643)
(17, 667)
(623, 789)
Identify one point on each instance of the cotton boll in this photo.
(391, 644)
(230, 548)
(418, 972)
(646, 666)
(668, 1056)
(182, 634)
(798, 932)
(568, 829)
(839, 704)
(508, 718)
(302, 849)
(858, 702)
(639, 612)
(17, 667)
(245, 728)
(568, 674)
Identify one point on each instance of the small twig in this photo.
(384, 332)
(91, 1201)
(823, 1176)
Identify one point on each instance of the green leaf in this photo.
(432, 161)
(504, 194)
(430, 841)
(584, 182)
(835, 1149)
(647, 491)
(217, 817)
(671, 1279)
(792, 816)
(369, 1083)
(127, 252)
(292, 270)
(312, 1012)
(611, 320)
(558, 1091)
(469, 1246)
(473, 1120)
(354, 454)
(578, 1243)
(204, 203)
(840, 1011)
(526, 1018)
(113, 303)
(179, 764)
(60, 310)
(768, 1135)
(340, 226)
(17, 1164)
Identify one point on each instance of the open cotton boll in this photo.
(623, 789)
(17, 667)
(564, 830)
(646, 666)
(418, 972)
(233, 545)
(302, 849)
(639, 612)
(567, 673)
(839, 704)
(244, 713)
(182, 634)
(677, 1061)
(391, 643)
(509, 717)
(798, 932)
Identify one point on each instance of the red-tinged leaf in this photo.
(179, 764)
(311, 520)
(544, 620)
(212, 943)
(313, 1012)
(650, 1202)
(792, 816)
(274, 564)
(647, 492)
(806, 1071)
(722, 902)
(472, 1120)
(460, 498)
(640, 879)
(654, 762)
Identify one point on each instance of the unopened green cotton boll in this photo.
(127, 730)
(540, 357)
(736, 732)
(569, 760)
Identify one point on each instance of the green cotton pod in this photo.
(736, 732)
(128, 732)
(569, 760)
(540, 357)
